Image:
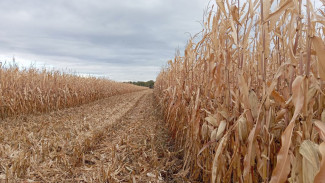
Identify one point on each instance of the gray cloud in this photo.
(119, 39)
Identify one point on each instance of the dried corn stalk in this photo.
(31, 90)
(242, 102)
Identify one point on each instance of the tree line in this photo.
(149, 84)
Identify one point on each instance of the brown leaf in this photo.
(221, 129)
(279, 11)
(282, 168)
(252, 133)
(234, 31)
(234, 13)
(212, 120)
(320, 126)
(248, 157)
(196, 121)
(291, 55)
(214, 134)
(311, 93)
(220, 3)
(204, 130)
(254, 104)
(320, 176)
(244, 91)
(310, 160)
(320, 52)
(242, 128)
(278, 98)
(216, 157)
(297, 94)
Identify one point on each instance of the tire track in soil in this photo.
(138, 148)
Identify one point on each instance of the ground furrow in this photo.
(50, 147)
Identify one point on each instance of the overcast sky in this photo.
(119, 39)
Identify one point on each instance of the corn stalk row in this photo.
(246, 102)
(32, 90)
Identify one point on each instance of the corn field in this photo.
(246, 102)
(25, 91)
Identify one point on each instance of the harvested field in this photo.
(244, 103)
(118, 139)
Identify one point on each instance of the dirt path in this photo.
(119, 139)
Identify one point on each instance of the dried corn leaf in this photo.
(244, 91)
(320, 126)
(242, 128)
(221, 129)
(254, 104)
(212, 119)
(220, 4)
(204, 130)
(278, 98)
(275, 15)
(214, 134)
(310, 160)
(216, 158)
(234, 13)
(282, 168)
(320, 51)
(320, 176)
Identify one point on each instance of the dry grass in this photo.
(31, 90)
(246, 102)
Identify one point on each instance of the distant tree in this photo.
(149, 84)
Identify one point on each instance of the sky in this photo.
(123, 40)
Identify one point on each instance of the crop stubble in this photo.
(118, 139)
